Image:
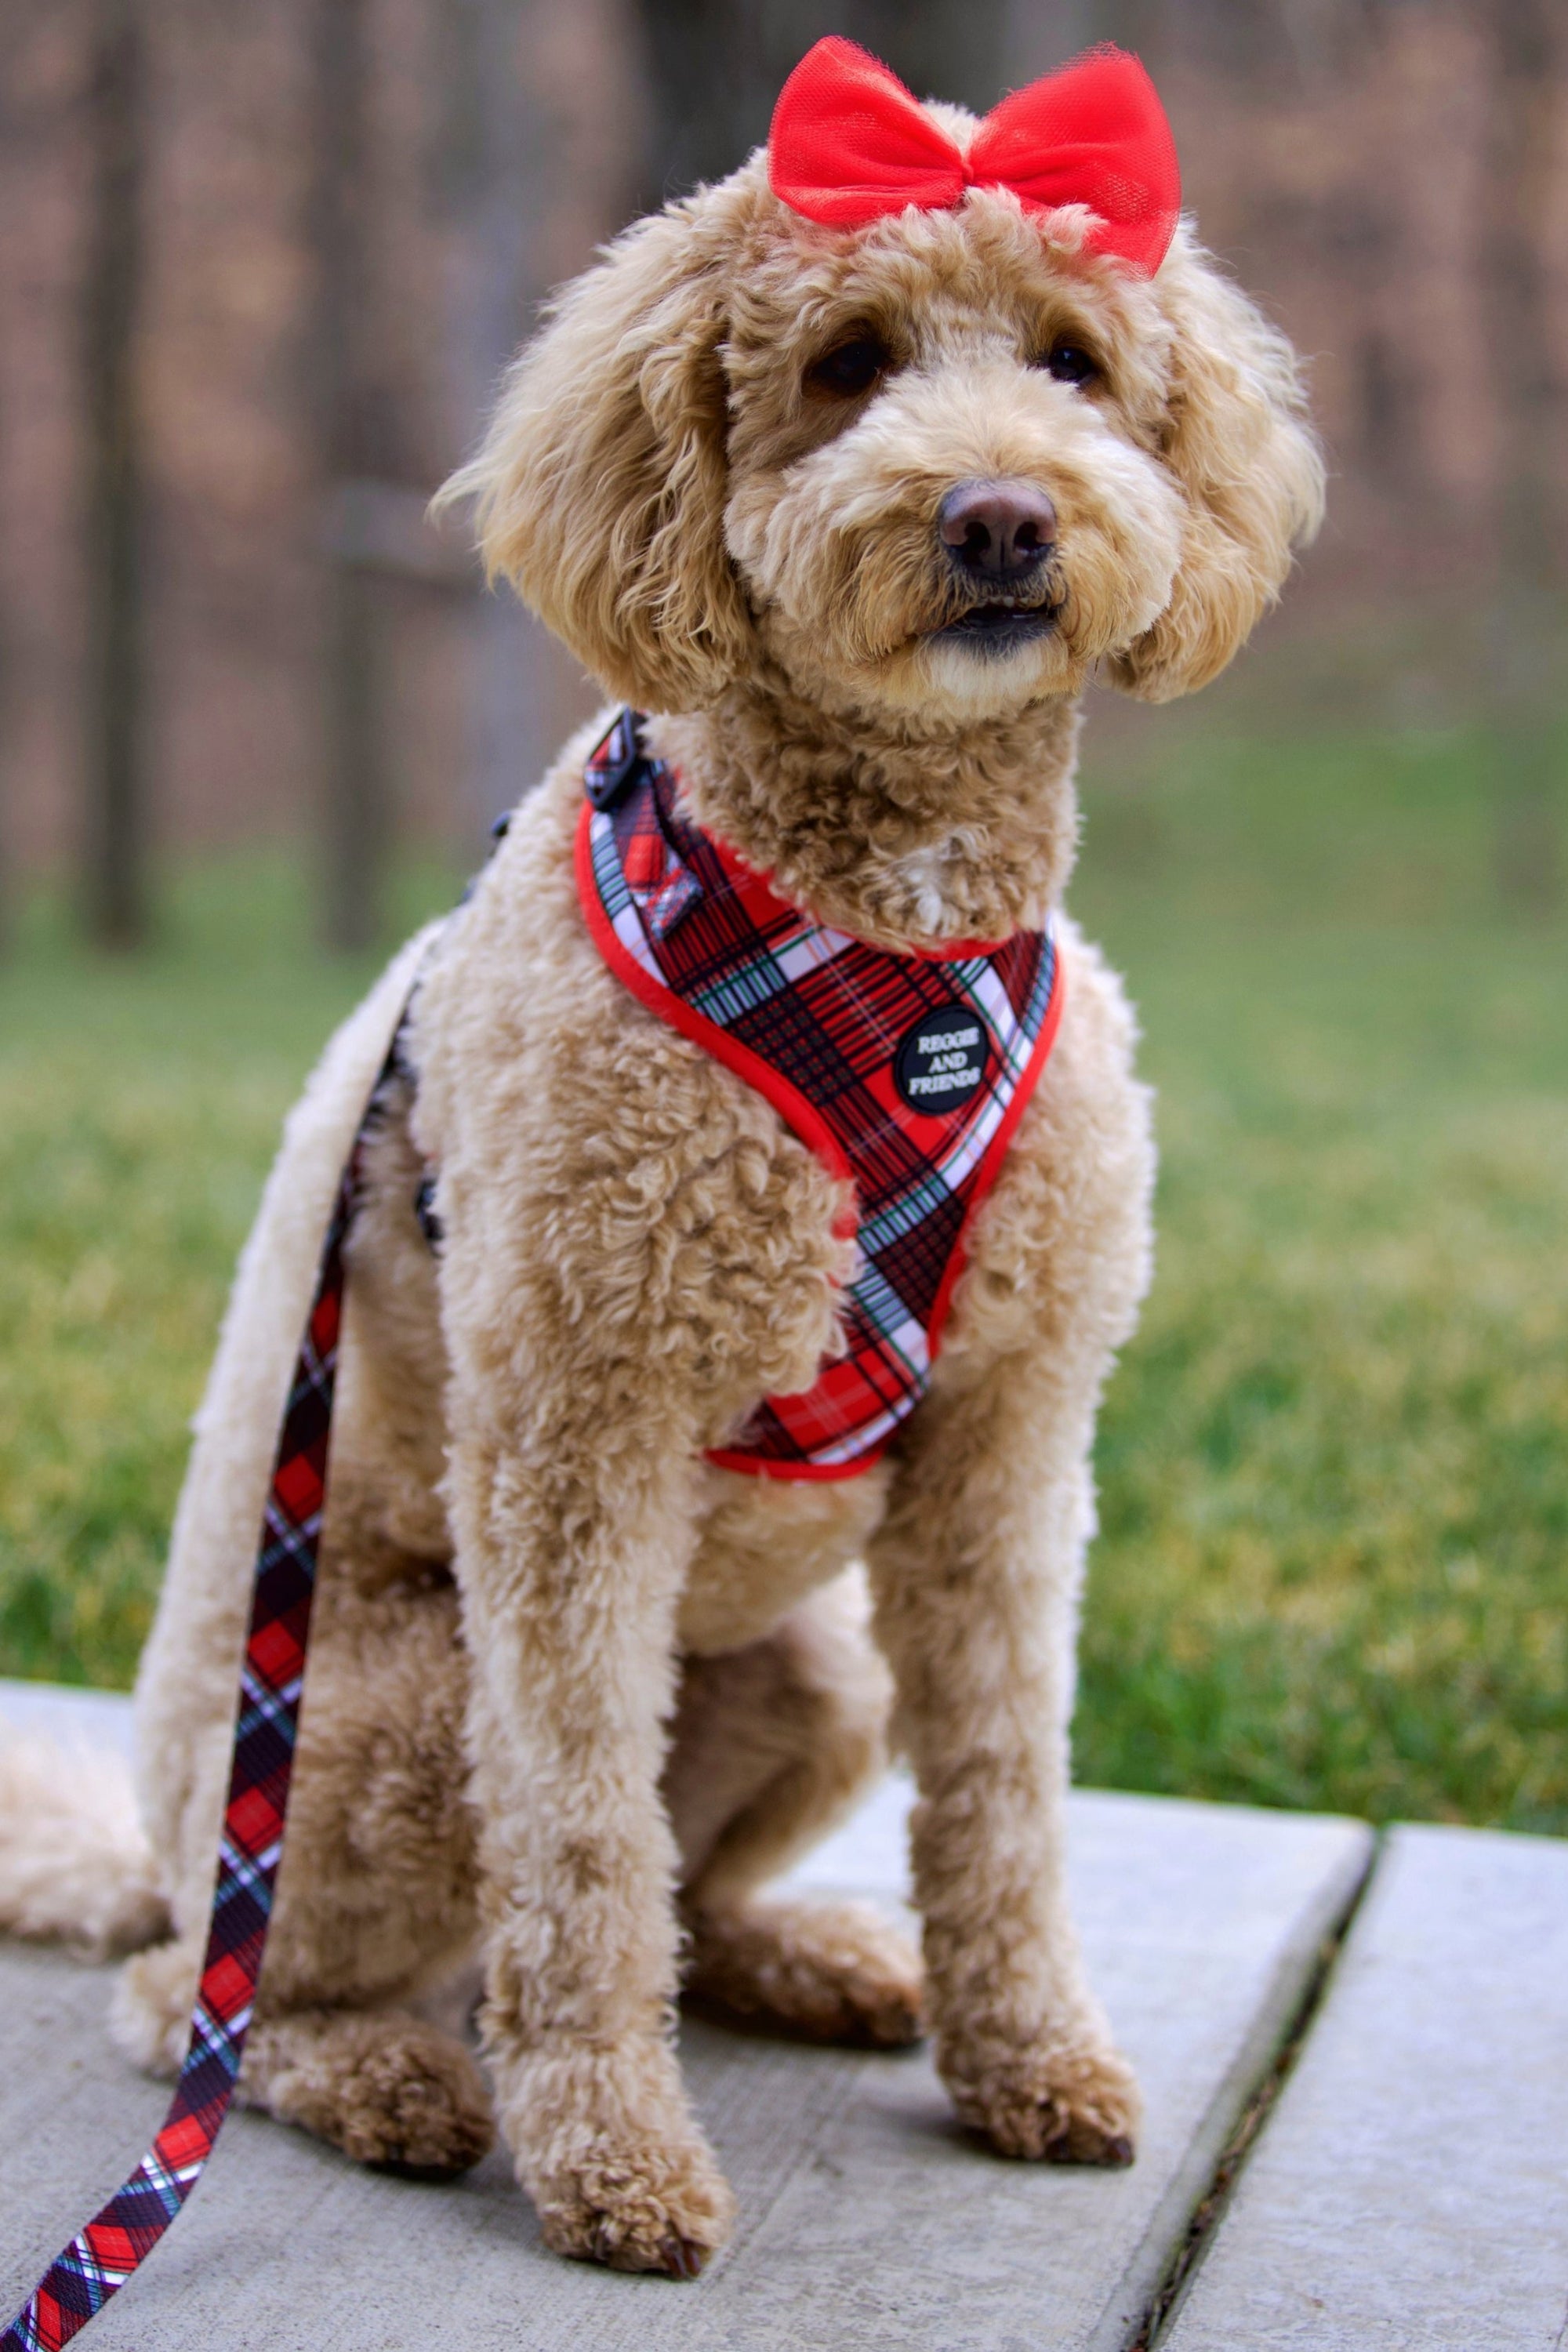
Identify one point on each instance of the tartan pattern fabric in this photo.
(815, 1018)
(105, 2253)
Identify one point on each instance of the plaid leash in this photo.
(117, 2241)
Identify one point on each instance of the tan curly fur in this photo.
(574, 1695)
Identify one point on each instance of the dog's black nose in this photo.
(997, 530)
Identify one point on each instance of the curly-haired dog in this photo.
(856, 508)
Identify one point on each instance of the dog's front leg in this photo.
(573, 1533)
(976, 1572)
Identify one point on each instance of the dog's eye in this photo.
(1070, 363)
(850, 368)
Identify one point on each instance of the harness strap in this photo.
(117, 2240)
(906, 1072)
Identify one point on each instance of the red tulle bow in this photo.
(850, 142)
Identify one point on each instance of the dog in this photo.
(850, 493)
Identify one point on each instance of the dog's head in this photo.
(939, 463)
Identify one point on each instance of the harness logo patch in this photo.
(941, 1060)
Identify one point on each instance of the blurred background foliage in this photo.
(258, 273)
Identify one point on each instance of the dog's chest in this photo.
(764, 1544)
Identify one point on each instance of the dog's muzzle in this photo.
(998, 539)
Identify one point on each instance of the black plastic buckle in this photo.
(614, 762)
(425, 1213)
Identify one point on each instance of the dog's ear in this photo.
(599, 489)
(1238, 444)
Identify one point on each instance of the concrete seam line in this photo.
(1160, 2271)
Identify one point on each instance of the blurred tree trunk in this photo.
(357, 809)
(115, 814)
(1526, 632)
(716, 67)
(1044, 33)
(498, 149)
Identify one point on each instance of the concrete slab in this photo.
(867, 2218)
(89, 1718)
(1410, 2192)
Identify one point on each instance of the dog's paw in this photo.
(666, 2209)
(384, 2087)
(826, 1971)
(1057, 2102)
(151, 2014)
(648, 2208)
(617, 2169)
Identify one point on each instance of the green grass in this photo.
(139, 1101)
(1334, 1565)
(1334, 1568)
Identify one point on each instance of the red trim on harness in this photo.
(740, 870)
(763, 1466)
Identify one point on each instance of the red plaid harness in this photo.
(908, 1073)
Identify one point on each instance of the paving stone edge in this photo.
(1164, 2244)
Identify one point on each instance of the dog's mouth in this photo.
(999, 624)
